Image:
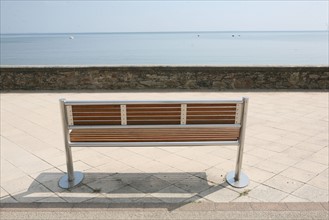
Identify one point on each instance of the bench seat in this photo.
(155, 135)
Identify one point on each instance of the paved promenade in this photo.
(286, 154)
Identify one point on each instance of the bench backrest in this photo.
(96, 113)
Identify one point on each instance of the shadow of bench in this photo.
(122, 188)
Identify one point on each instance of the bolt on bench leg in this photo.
(72, 178)
(237, 178)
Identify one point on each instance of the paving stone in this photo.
(262, 153)
(77, 165)
(113, 166)
(34, 193)
(197, 199)
(282, 158)
(17, 185)
(149, 199)
(193, 184)
(283, 183)
(251, 160)
(106, 184)
(78, 194)
(132, 177)
(298, 174)
(310, 147)
(54, 199)
(321, 181)
(219, 194)
(267, 194)
(149, 184)
(257, 174)
(297, 153)
(174, 177)
(3, 193)
(126, 194)
(7, 199)
(312, 193)
(278, 147)
(213, 175)
(310, 166)
(173, 194)
(271, 166)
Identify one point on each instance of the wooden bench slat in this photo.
(118, 114)
(184, 134)
(98, 123)
(205, 109)
(153, 109)
(86, 107)
(164, 105)
(211, 104)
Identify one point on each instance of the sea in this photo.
(167, 48)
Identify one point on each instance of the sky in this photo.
(76, 16)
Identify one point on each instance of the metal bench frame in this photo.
(235, 178)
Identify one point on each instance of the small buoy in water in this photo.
(232, 35)
(198, 35)
(71, 37)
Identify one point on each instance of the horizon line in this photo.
(163, 32)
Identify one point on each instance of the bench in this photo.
(153, 123)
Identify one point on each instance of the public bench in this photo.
(153, 123)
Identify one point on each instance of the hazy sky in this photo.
(139, 16)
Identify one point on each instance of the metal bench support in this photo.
(72, 178)
(237, 178)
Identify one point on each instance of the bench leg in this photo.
(72, 178)
(237, 178)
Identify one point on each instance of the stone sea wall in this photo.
(163, 77)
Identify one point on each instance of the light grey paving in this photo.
(286, 154)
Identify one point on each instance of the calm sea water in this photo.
(204, 48)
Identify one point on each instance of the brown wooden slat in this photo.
(153, 110)
(164, 105)
(190, 113)
(153, 140)
(148, 118)
(147, 135)
(82, 114)
(211, 104)
(153, 122)
(210, 117)
(206, 109)
(84, 107)
(141, 130)
(97, 123)
(210, 122)
(164, 113)
(96, 118)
